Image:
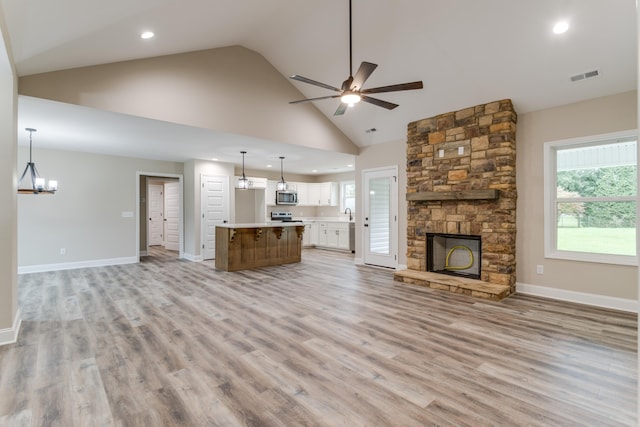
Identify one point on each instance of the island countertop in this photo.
(262, 224)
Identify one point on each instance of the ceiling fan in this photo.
(351, 91)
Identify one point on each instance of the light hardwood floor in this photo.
(320, 343)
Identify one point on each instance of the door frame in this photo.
(228, 189)
(180, 208)
(394, 244)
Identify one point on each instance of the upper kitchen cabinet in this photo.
(309, 193)
(322, 193)
(303, 193)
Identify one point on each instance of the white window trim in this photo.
(342, 183)
(550, 184)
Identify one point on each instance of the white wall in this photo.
(85, 216)
(9, 313)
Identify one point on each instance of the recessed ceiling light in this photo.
(315, 170)
(214, 159)
(269, 166)
(561, 27)
(349, 166)
(147, 35)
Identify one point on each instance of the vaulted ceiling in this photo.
(467, 52)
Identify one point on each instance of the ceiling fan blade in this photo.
(379, 102)
(363, 73)
(394, 88)
(313, 82)
(341, 109)
(314, 99)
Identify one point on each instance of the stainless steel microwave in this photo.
(286, 197)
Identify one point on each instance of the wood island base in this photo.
(245, 247)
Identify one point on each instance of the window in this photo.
(590, 198)
(348, 195)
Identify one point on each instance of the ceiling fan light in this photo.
(350, 98)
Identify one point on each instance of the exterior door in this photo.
(172, 216)
(380, 189)
(156, 214)
(215, 210)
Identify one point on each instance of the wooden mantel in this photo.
(431, 196)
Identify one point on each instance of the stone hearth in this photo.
(461, 179)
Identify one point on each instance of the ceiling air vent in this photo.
(584, 76)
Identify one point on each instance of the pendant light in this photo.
(282, 185)
(243, 182)
(37, 182)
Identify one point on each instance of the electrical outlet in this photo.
(460, 151)
(540, 269)
(441, 153)
(63, 251)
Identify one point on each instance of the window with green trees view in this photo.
(590, 195)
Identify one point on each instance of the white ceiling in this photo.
(467, 52)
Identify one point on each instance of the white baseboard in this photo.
(401, 267)
(10, 335)
(191, 257)
(615, 303)
(26, 269)
(358, 261)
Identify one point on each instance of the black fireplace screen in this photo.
(454, 254)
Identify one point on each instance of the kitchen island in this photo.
(246, 246)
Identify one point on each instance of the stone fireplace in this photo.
(461, 181)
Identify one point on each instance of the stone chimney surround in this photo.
(461, 179)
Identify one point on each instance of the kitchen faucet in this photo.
(350, 217)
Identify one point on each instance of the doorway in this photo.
(380, 203)
(159, 215)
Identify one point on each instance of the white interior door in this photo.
(380, 189)
(156, 214)
(215, 210)
(172, 216)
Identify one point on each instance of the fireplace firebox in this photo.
(454, 254)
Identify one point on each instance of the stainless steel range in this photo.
(283, 217)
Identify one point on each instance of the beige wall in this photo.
(85, 216)
(597, 116)
(231, 89)
(376, 156)
(8, 196)
(593, 117)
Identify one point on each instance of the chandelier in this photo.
(37, 182)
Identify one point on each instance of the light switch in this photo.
(460, 151)
(441, 153)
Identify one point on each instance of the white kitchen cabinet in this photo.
(310, 236)
(313, 194)
(334, 234)
(270, 195)
(338, 235)
(322, 194)
(302, 189)
(322, 234)
(328, 194)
